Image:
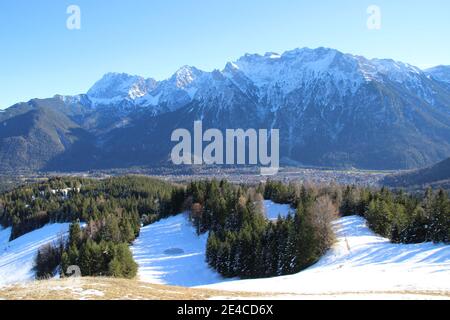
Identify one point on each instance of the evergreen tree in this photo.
(440, 218)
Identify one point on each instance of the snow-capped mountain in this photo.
(326, 76)
(332, 109)
(263, 76)
(120, 89)
(175, 92)
(116, 88)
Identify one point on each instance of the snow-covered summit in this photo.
(115, 87)
(305, 67)
(186, 76)
(299, 68)
(268, 78)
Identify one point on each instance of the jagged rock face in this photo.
(332, 109)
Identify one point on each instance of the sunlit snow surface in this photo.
(360, 261)
(17, 256)
(170, 252)
(273, 210)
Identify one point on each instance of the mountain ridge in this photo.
(333, 109)
(435, 175)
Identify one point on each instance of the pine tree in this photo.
(440, 218)
(379, 217)
(122, 263)
(211, 250)
(74, 234)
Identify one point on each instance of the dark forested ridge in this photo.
(436, 175)
(107, 215)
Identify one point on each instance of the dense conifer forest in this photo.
(111, 209)
(106, 217)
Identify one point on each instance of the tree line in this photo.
(402, 217)
(31, 207)
(241, 242)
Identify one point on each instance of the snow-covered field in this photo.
(170, 252)
(362, 262)
(17, 256)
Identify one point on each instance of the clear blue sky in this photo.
(40, 57)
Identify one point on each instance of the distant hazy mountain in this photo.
(440, 73)
(332, 109)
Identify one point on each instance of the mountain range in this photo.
(332, 109)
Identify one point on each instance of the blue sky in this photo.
(40, 57)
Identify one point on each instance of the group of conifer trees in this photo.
(401, 217)
(243, 243)
(32, 206)
(112, 211)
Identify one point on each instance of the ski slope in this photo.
(170, 252)
(361, 262)
(17, 256)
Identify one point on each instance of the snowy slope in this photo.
(17, 256)
(362, 262)
(170, 252)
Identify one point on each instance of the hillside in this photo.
(362, 262)
(129, 228)
(437, 175)
(38, 134)
(121, 289)
(17, 256)
(170, 251)
(361, 265)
